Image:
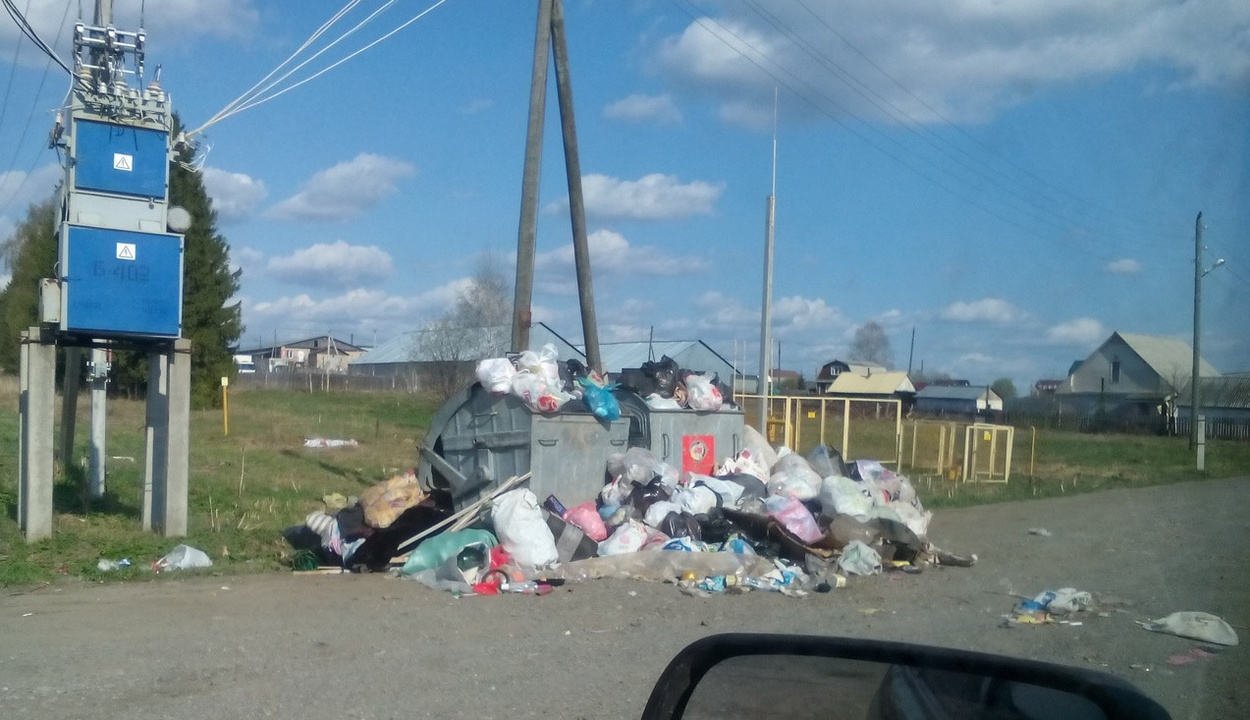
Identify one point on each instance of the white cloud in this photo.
(480, 105)
(235, 195)
(992, 310)
(643, 108)
(651, 197)
(1080, 331)
(355, 309)
(334, 265)
(1125, 266)
(246, 258)
(612, 254)
(345, 190)
(964, 61)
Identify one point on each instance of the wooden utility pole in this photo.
(551, 33)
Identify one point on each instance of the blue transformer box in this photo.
(121, 159)
(121, 282)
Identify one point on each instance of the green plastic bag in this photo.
(434, 551)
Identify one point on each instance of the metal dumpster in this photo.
(687, 440)
(477, 441)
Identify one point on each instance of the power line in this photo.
(29, 117)
(957, 128)
(703, 22)
(240, 104)
(30, 33)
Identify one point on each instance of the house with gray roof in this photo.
(1134, 380)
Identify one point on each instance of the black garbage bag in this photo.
(752, 487)
(571, 371)
(826, 461)
(642, 497)
(713, 526)
(375, 553)
(680, 524)
(302, 537)
(664, 372)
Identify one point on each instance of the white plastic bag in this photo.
(695, 500)
(496, 375)
(628, 538)
(539, 392)
(842, 496)
(542, 362)
(757, 445)
(521, 529)
(1196, 626)
(183, 557)
(659, 510)
(859, 559)
(701, 394)
(655, 401)
(729, 492)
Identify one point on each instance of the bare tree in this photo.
(477, 326)
(871, 344)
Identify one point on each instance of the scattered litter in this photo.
(1195, 626)
(183, 557)
(1194, 655)
(1043, 532)
(330, 443)
(105, 565)
(1048, 606)
(27, 614)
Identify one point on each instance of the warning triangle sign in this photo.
(125, 251)
(122, 162)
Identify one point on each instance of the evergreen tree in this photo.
(30, 254)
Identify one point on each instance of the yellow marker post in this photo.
(225, 406)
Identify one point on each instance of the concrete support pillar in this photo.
(99, 421)
(167, 459)
(35, 461)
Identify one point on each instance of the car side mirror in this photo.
(795, 677)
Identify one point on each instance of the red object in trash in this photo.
(698, 454)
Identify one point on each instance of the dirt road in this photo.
(372, 647)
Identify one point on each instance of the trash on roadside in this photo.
(1195, 626)
(105, 565)
(761, 519)
(329, 443)
(1040, 531)
(183, 557)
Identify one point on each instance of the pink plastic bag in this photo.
(586, 518)
(791, 513)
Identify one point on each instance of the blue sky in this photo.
(1013, 180)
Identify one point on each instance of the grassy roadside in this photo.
(246, 487)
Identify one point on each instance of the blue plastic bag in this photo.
(600, 400)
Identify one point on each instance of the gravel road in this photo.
(339, 647)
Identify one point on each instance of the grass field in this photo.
(248, 486)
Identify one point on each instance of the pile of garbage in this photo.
(546, 386)
(765, 519)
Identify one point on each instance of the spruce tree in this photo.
(30, 254)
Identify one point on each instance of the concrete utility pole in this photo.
(1197, 439)
(1194, 394)
(766, 306)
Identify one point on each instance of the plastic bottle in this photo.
(527, 587)
(107, 565)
